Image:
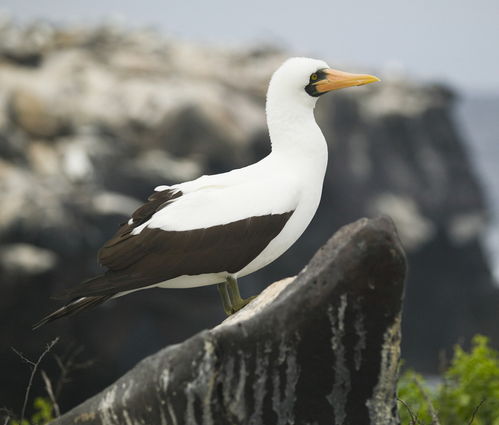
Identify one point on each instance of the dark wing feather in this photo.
(156, 255)
(74, 306)
(156, 202)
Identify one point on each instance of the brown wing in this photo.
(112, 259)
(156, 255)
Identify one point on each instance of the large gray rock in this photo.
(322, 348)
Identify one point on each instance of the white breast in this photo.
(309, 178)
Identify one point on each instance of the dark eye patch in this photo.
(321, 74)
(310, 88)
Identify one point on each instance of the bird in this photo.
(218, 228)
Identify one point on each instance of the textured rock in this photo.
(322, 348)
(30, 113)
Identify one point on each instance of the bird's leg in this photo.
(224, 295)
(235, 297)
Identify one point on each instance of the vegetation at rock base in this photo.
(468, 393)
(43, 413)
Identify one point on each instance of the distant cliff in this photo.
(91, 119)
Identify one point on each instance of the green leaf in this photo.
(472, 380)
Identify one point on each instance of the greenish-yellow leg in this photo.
(231, 297)
(224, 295)
(235, 297)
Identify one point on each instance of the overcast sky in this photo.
(452, 40)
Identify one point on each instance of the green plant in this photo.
(469, 392)
(413, 407)
(43, 413)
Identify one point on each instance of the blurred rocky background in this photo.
(93, 118)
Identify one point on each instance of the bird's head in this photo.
(306, 79)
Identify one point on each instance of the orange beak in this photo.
(339, 80)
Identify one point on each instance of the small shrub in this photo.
(469, 388)
(43, 413)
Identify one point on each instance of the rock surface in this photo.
(91, 119)
(322, 348)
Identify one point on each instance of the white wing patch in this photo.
(224, 198)
(212, 206)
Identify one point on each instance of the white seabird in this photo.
(218, 228)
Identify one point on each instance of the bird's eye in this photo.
(314, 77)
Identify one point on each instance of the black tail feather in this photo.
(81, 290)
(73, 307)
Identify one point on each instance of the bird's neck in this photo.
(294, 131)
